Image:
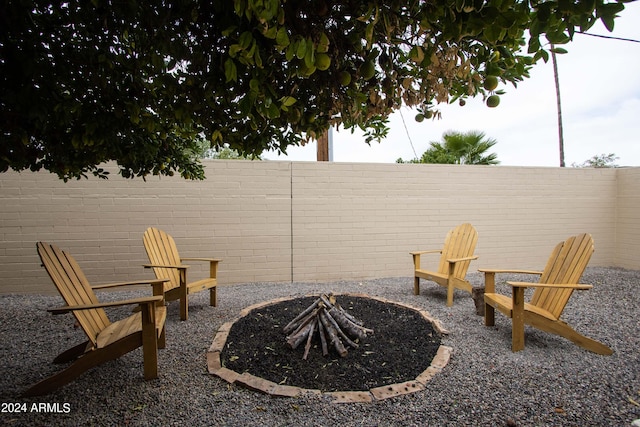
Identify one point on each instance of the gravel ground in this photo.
(552, 382)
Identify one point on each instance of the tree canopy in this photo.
(226, 153)
(599, 161)
(468, 148)
(141, 82)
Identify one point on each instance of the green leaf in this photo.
(245, 39)
(541, 54)
(416, 54)
(245, 105)
(368, 34)
(257, 58)
(492, 33)
(588, 6)
(234, 49)
(270, 32)
(290, 52)
(288, 101)
(273, 111)
(310, 57)
(301, 48)
(239, 7)
(534, 45)
(230, 70)
(323, 44)
(250, 56)
(544, 12)
(608, 22)
(282, 37)
(228, 31)
(254, 85)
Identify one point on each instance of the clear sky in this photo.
(600, 94)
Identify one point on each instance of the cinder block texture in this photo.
(305, 221)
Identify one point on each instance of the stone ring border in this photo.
(214, 364)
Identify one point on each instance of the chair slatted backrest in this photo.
(566, 265)
(162, 250)
(74, 287)
(459, 243)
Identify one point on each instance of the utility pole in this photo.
(557, 81)
(325, 148)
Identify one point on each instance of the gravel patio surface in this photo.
(551, 383)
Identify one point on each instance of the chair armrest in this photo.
(490, 277)
(179, 267)
(492, 270)
(135, 282)
(467, 258)
(578, 286)
(416, 256)
(201, 259)
(434, 251)
(213, 264)
(138, 301)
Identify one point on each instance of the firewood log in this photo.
(307, 347)
(292, 325)
(333, 334)
(294, 340)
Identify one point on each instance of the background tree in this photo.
(82, 83)
(226, 153)
(459, 148)
(599, 161)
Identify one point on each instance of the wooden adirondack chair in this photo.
(166, 263)
(456, 255)
(557, 282)
(106, 340)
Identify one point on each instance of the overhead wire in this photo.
(408, 136)
(610, 37)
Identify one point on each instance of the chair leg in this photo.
(587, 343)
(63, 377)
(416, 285)
(149, 342)
(489, 315)
(213, 296)
(451, 284)
(184, 296)
(450, 289)
(489, 288)
(162, 339)
(560, 328)
(517, 320)
(184, 308)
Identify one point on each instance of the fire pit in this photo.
(401, 355)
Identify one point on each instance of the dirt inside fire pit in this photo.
(402, 346)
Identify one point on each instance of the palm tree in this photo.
(459, 148)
